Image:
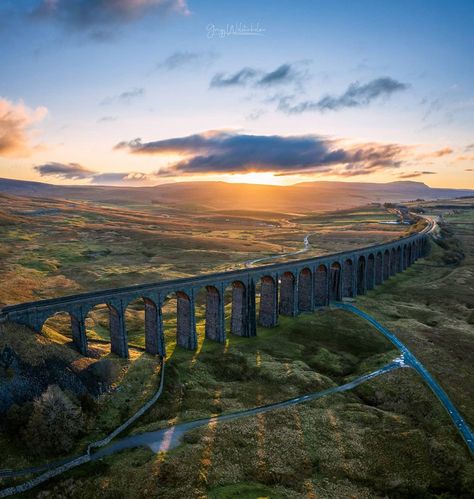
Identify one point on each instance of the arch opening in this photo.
(215, 324)
(361, 276)
(378, 268)
(393, 262)
(335, 288)
(370, 279)
(386, 265)
(268, 309)
(288, 294)
(186, 334)
(321, 286)
(97, 328)
(348, 279)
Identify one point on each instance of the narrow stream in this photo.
(307, 246)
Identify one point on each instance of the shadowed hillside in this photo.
(221, 195)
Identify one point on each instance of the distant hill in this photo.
(300, 197)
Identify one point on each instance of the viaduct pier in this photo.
(284, 288)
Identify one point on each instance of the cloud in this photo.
(178, 60)
(465, 158)
(224, 151)
(469, 148)
(84, 14)
(120, 178)
(469, 170)
(240, 78)
(75, 171)
(71, 171)
(16, 121)
(415, 174)
(125, 97)
(284, 74)
(356, 95)
(443, 152)
(105, 119)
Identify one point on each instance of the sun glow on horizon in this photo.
(268, 178)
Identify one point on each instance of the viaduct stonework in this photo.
(285, 288)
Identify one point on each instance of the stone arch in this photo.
(134, 316)
(386, 264)
(215, 326)
(399, 259)
(393, 261)
(361, 275)
(305, 290)
(321, 290)
(370, 280)
(378, 268)
(406, 256)
(186, 335)
(58, 323)
(268, 309)
(335, 285)
(69, 325)
(413, 252)
(288, 294)
(348, 278)
(97, 324)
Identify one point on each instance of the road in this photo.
(413, 362)
(170, 437)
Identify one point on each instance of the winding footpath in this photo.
(171, 437)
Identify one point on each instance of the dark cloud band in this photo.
(356, 95)
(75, 171)
(229, 152)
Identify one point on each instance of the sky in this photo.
(145, 92)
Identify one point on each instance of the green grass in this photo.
(388, 438)
(243, 491)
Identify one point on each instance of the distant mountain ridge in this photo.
(305, 196)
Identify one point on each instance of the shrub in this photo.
(54, 423)
(105, 371)
(17, 418)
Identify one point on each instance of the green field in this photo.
(390, 437)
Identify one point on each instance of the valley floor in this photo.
(388, 437)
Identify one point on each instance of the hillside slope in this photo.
(308, 196)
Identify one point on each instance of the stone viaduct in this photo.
(285, 288)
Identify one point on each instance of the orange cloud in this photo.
(443, 152)
(15, 123)
(437, 154)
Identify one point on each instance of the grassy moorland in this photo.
(388, 438)
(51, 247)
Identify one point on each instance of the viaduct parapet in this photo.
(285, 289)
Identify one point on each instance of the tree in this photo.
(6, 357)
(54, 423)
